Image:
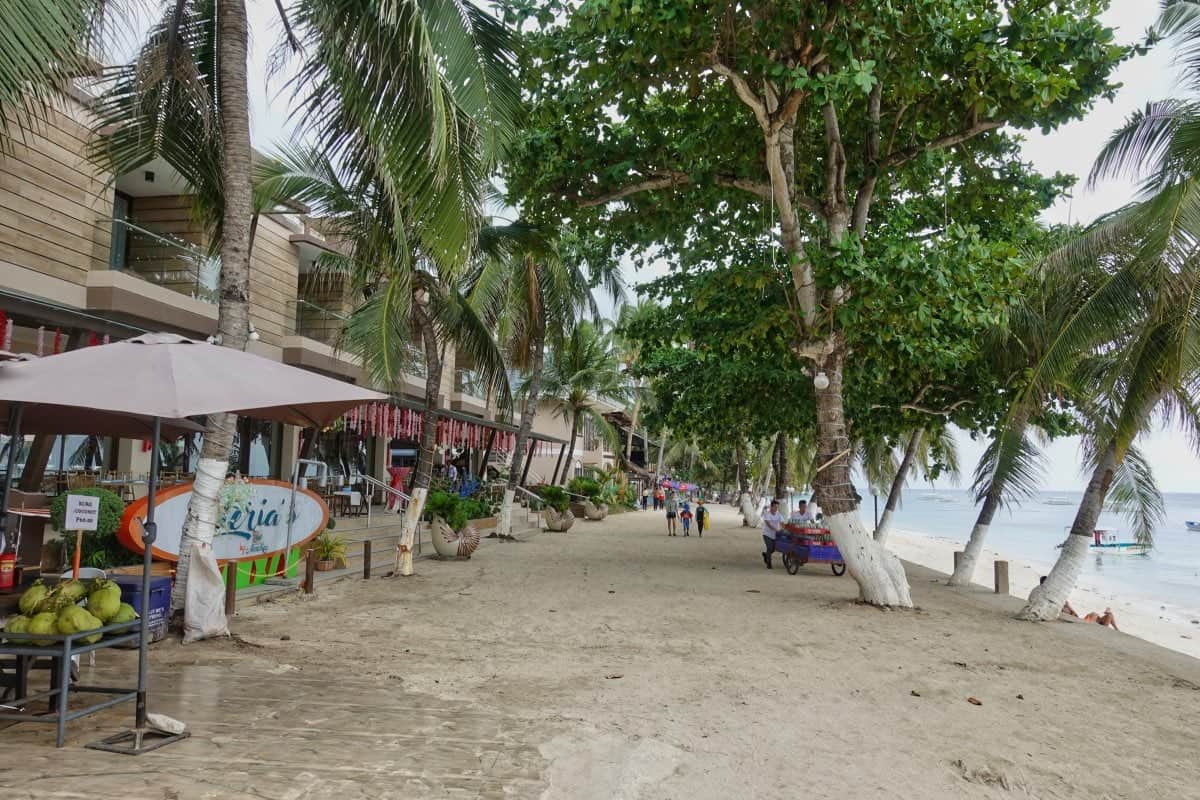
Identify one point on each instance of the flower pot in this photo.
(325, 565)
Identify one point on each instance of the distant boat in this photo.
(1058, 501)
(1192, 525)
(1109, 542)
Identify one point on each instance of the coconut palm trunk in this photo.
(528, 410)
(1047, 599)
(233, 308)
(637, 407)
(965, 571)
(879, 573)
(424, 471)
(566, 468)
(662, 448)
(893, 499)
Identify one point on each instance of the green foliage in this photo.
(330, 547)
(585, 487)
(99, 548)
(449, 506)
(554, 496)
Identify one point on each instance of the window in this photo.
(118, 248)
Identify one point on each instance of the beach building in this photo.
(87, 257)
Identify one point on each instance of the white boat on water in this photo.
(1193, 525)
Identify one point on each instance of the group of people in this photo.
(681, 512)
(805, 514)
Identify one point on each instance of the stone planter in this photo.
(577, 509)
(558, 522)
(594, 512)
(450, 543)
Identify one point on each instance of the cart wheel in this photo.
(838, 569)
(791, 563)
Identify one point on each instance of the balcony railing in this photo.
(469, 381)
(167, 261)
(317, 322)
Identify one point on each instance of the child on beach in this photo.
(685, 516)
(701, 517)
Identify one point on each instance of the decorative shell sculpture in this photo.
(559, 522)
(450, 543)
(594, 512)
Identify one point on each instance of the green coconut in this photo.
(105, 600)
(43, 623)
(76, 619)
(54, 603)
(17, 624)
(74, 589)
(33, 596)
(126, 613)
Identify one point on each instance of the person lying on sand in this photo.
(1107, 619)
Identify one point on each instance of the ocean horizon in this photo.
(1032, 531)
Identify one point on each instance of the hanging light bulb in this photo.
(821, 381)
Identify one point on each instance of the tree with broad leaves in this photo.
(814, 110)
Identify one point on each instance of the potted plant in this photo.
(331, 549)
(446, 513)
(557, 507)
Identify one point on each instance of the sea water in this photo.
(1031, 532)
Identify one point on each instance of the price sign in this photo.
(83, 513)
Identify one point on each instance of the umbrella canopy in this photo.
(56, 419)
(169, 376)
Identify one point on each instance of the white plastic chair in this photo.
(85, 574)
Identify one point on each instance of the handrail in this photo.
(533, 498)
(204, 277)
(372, 484)
(300, 301)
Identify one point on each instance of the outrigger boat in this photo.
(1110, 542)
(1192, 525)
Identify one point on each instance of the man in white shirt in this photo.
(803, 515)
(772, 521)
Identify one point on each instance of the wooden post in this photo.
(958, 554)
(366, 559)
(1001, 575)
(231, 588)
(310, 570)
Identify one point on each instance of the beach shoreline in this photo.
(1165, 624)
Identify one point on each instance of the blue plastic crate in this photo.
(160, 600)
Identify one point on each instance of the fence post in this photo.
(366, 559)
(310, 570)
(1001, 575)
(958, 554)
(231, 588)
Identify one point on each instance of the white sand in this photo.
(1144, 617)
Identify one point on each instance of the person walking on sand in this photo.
(672, 507)
(772, 521)
(701, 517)
(645, 498)
(685, 516)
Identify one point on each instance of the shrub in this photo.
(448, 506)
(587, 487)
(476, 508)
(100, 547)
(330, 547)
(553, 496)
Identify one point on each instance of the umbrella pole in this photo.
(14, 438)
(151, 533)
(143, 738)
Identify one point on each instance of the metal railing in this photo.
(468, 381)
(530, 511)
(397, 500)
(168, 261)
(317, 322)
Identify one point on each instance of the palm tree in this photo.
(528, 287)
(1143, 317)
(930, 450)
(581, 372)
(406, 298)
(629, 347)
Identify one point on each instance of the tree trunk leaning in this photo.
(233, 308)
(528, 410)
(424, 471)
(781, 467)
(1047, 599)
(566, 467)
(965, 571)
(893, 499)
(637, 407)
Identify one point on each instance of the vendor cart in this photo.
(800, 546)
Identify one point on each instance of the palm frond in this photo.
(1135, 494)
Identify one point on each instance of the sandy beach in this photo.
(614, 662)
(1162, 623)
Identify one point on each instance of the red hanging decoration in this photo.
(57, 341)
(93, 339)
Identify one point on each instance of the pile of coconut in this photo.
(72, 606)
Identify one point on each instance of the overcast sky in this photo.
(1070, 149)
